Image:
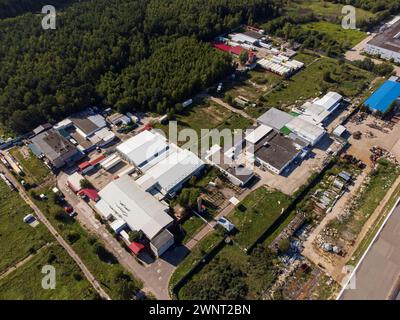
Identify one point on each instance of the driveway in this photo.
(155, 276)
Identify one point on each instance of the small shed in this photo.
(136, 247)
(339, 131)
(92, 194)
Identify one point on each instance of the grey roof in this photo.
(52, 144)
(275, 118)
(277, 150)
(42, 128)
(240, 172)
(162, 238)
(389, 39)
(253, 34)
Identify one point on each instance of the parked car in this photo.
(70, 211)
(226, 224)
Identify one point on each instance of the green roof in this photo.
(286, 131)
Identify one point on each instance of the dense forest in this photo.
(373, 5)
(12, 8)
(129, 54)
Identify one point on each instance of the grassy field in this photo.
(35, 170)
(256, 280)
(324, 9)
(256, 213)
(347, 37)
(17, 239)
(25, 283)
(104, 272)
(309, 83)
(204, 246)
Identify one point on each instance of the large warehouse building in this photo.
(386, 44)
(144, 150)
(124, 200)
(383, 98)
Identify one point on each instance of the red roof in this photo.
(136, 247)
(92, 194)
(226, 48)
(237, 50)
(97, 160)
(222, 47)
(84, 165)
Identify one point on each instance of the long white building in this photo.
(124, 200)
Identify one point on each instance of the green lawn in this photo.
(17, 239)
(25, 283)
(256, 213)
(35, 170)
(346, 37)
(104, 272)
(324, 9)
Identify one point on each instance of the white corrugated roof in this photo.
(329, 100)
(143, 147)
(305, 129)
(172, 170)
(258, 133)
(137, 208)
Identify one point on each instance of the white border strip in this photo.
(368, 249)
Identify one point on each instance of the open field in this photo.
(35, 170)
(347, 37)
(17, 239)
(241, 276)
(310, 83)
(205, 245)
(25, 283)
(84, 244)
(256, 213)
(324, 9)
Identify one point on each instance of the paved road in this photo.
(53, 231)
(377, 276)
(155, 275)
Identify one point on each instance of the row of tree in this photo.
(133, 54)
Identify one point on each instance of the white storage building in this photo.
(306, 130)
(168, 176)
(124, 200)
(144, 150)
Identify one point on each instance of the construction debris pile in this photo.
(288, 231)
(378, 153)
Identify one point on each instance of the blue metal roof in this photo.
(382, 99)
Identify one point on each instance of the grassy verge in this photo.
(25, 283)
(374, 228)
(17, 239)
(35, 170)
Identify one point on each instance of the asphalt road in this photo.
(378, 275)
(57, 236)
